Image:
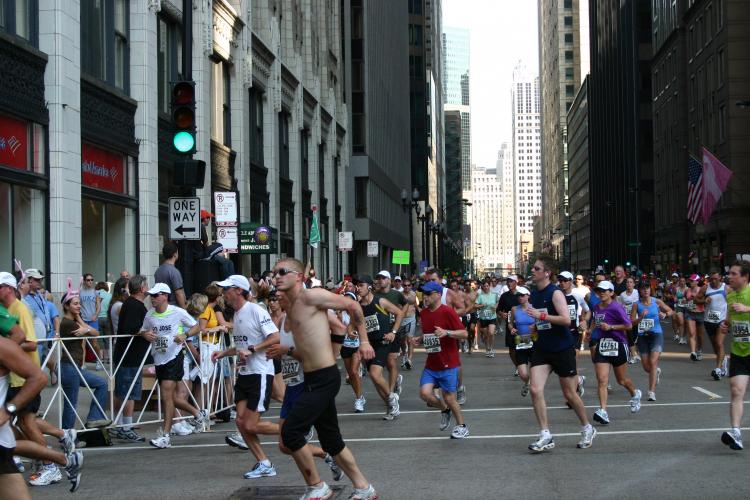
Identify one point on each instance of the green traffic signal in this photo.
(184, 142)
(606, 261)
(627, 263)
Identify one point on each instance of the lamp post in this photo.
(407, 208)
(428, 233)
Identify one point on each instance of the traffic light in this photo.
(183, 116)
(627, 264)
(189, 173)
(606, 261)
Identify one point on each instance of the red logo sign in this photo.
(14, 143)
(102, 169)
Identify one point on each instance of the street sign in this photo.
(346, 241)
(225, 208)
(184, 218)
(257, 238)
(227, 236)
(401, 257)
(372, 248)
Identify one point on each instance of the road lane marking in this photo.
(711, 395)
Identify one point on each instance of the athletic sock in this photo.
(266, 463)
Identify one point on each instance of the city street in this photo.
(671, 449)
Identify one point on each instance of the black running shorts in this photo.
(255, 389)
(7, 466)
(172, 370)
(563, 363)
(739, 365)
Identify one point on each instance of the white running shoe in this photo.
(161, 441)
(73, 469)
(581, 389)
(544, 443)
(461, 394)
(525, 390)
(236, 440)
(393, 408)
(460, 432)
(635, 402)
(359, 404)
(48, 474)
(601, 416)
(260, 470)
(651, 396)
(181, 428)
(68, 441)
(399, 381)
(364, 494)
(320, 492)
(445, 419)
(587, 437)
(699, 355)
(658, 375)
(201, 422)
(733, 439)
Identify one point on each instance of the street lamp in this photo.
(415, 205)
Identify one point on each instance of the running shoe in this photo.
(161, 441)
(236, 440)
(132, 437)
(399, 381)
(68, 441)
(460, 432)
(525, 390)
(581, 389)
(393, 408)
(635, 402)
(364, 493)
(200, 423)
(676, 338)
(733, 439)
(359, 404)
(320, 492)
(601, 416)
(181, 429)
(73, 469)
(403, 361)
(515, 373)
(683, 341)
(544, 443)
(651, 396)
(461, 394)
(658, 375)
(609, 387)
(587, 437)
(335, 469)
(260, 470)
(445, 419)
(492, 353)
(407, 364)
(716, 373)
(48, 474)
(693, 356)
(725, 366)
(632, 360)
(699, 355)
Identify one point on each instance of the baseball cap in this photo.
(430, 287)
(235, 281)
(8, 279)
(522, 290)
(605, 285)
(205, 214)
(397, 278)
(512, 277)
(675, 275)
(567, 275)
(363, 278)
(694, 277)
(384, 274)
(34, 273)
(159, 288)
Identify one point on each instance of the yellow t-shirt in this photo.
(21, 311)
(211, 322)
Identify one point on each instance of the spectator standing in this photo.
(90, 307)
(35, 301)
(168, 274)
(104, 327)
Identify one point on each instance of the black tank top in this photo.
(377, 320)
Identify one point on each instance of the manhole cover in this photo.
(279, 492)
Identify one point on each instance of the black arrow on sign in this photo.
(182, 230)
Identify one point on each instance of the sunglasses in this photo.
(537, 268)
(158, 294)
(283, 271)
(564, 279)
(89, 279)
(407, 284)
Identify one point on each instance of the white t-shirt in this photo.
(115, 316)
(628, 299)
(716, 310)
(167, 325)
(580, 296)
(252, 324)
(499, 289)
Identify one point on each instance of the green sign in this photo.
(634, 243)
(400, 257)
(257, 238)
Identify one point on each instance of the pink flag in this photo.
(715, 179)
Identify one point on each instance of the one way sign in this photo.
(184, 218)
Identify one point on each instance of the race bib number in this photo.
(646, 325)
(290, 371)
(609, 347)
(372, 324)
(682, 303)
(352, 342)
(741, 331)
(691, 306)
(573, 312)
(713, 316)
(628, 307)
(161, 344)
(525, 342)
(431, 343)
(543, 325)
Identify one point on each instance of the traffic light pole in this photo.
(187, 39)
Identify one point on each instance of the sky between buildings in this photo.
(502, 32)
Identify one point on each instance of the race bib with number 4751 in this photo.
(609, 347)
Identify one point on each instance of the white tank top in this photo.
(444, 298)
(716, 310)
(7, 439)
(291, 369)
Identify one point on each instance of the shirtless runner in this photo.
(307, 319)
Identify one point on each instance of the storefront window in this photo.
(109, 239)
(23, 221)
(22, 145)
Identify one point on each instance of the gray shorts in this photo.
(409, 325)
(653, 342)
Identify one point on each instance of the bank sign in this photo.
(257, 238)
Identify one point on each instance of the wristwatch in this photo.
(11, 409)
(251, 349)
(394, 332)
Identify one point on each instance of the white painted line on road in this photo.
(435, 438)
(710, 394)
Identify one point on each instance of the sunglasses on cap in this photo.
(283, 271)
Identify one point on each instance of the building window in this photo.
(569, 90)
(109, 238)
(568, 20)
(221, 124)
(169, 59)
(256, 126)
(568, 4)
(20, 18)
(23, 219)
(104, 41)
(304, 148)
(284, 145)
(569, 73)
(568, 55)
(360, 197)
(568, 37)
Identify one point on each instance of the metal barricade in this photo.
(216, 379)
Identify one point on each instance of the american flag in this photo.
(695, 189)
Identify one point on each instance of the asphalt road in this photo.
(671, 449)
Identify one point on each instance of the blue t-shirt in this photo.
(106, 298)
(651, 314)
(88, 304)
(552, 338)
(52, 310)
(38, 308)
(522, 321)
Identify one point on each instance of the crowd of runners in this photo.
(286, 331)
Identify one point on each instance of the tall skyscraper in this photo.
(526, 156)
(562, 37)
(504, 170)
(486, 222)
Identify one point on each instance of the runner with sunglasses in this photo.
(409, 323)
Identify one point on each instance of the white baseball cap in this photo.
(522, 290)
(567, 275)
(159, 288)
(675, 275)
(8, 279)
(397, 278)
(384, 274)
(605, 285)
(235, 280)
(512, 277)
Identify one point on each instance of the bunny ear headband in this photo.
(71, 294)
(19, 268)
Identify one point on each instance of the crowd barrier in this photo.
(216, 380)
